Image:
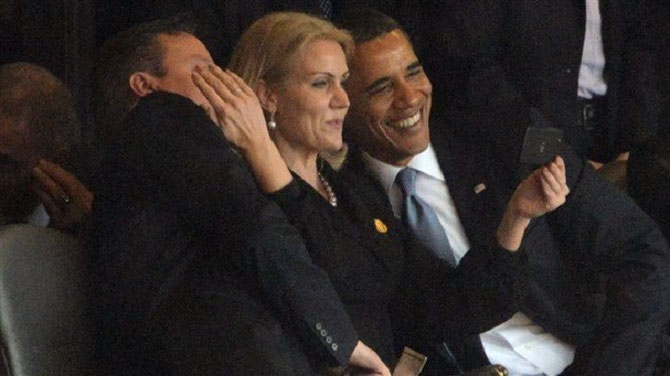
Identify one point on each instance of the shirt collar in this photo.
(425, 162)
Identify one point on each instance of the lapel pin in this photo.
(380, 226)
(479, 188)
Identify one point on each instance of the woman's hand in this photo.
(367, 360)
(544, 190)
(64, 197)
(233, 106)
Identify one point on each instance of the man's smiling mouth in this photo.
(405, 123)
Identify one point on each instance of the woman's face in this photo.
(311, 103)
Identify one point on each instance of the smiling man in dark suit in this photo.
(598, 265)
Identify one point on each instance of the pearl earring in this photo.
(272, 124)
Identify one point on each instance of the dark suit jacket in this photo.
(396, 292)
(190, 253)
(529, 52)
(598, 265)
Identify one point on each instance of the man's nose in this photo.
(406, 95)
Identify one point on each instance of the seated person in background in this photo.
(589, 67)
(649, 179)
(392, 288)
(199, 272)
(38, 128)
(599, 268)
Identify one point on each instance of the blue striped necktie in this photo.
(421, 218)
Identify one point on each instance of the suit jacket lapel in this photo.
(454, 163)
(360, 204)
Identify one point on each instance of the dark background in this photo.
(63, 35)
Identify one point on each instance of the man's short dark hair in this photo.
(136, 49)
(366, 24)
(34, 96)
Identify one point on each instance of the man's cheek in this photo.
(382, 132)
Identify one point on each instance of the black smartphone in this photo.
(541, 145)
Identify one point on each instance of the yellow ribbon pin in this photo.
(380, 226)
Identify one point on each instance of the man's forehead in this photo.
(384, 55)
(184, 43)
(174, 38)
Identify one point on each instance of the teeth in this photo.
(406, 123)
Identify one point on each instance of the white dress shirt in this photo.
(591, 80)
(431, 187)
(520, 345)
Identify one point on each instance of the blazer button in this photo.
(329, 339)
(319, 326)
(324, 332)
(334, 346)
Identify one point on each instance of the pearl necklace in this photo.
(332, 199)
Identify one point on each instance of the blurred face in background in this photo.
(20, 150)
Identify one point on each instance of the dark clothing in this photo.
(529, 52)
(396, 292)
(599, 267)
(648, 175)
(197, 268)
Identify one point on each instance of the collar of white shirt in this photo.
(425, 162)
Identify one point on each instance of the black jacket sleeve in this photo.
(194, 173)
(603, 228)
(450, 304)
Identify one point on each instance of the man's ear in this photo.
(266, 96)
(142, 84)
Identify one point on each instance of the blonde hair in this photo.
(267, 49)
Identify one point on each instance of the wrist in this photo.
(268, 167)
(259, 149)
(511, 229)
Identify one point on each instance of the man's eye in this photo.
(415, 72)
(319, 84)
(383, 90)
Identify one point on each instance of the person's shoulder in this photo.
(162, 105)
(362, 182)
(354, 172)
(169, 118)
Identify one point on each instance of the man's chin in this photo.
(412, 146)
